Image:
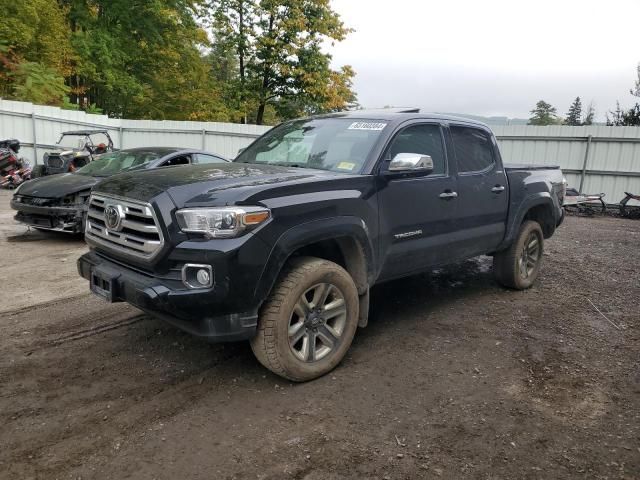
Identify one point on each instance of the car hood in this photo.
(57, 186)
(211, 184)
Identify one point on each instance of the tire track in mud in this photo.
(148, 395)
(37, 306)
(143, 411)
(62, 330)
(88, 332)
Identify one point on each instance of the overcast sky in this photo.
(491, 57)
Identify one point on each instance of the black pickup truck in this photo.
(282, 245)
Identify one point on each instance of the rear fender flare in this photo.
(531, 201)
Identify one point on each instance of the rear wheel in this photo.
(518, 266)
(308, 322)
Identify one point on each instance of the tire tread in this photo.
(505, 262)
(264, 344)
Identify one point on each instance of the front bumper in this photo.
(195, 311)
(61, 219)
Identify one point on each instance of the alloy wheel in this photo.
(530, 255)
(317, 322)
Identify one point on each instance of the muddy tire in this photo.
(518, 266)
(308, 322)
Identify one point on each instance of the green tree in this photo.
(281, 67)
(153, 59)
(36, 83)
(142, 62)
(635, 91)
(624, 118)
(35, 51)
(233, 23)
(543, 114)
(589, 115)
(631, 117)
(574, 115)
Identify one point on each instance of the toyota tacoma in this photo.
(282, 245)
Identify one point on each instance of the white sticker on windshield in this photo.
(367, 126)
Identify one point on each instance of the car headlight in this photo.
(223, 222)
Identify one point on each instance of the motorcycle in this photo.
(13, 170)
(583, 203)
(629, 211)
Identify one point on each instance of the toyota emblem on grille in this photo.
(113, 217)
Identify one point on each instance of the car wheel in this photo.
(308, 322)
(518, 266)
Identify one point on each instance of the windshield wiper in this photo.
(292, 165)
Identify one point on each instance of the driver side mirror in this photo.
(411, 163)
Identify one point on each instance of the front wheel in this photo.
(308, 322)
(518, 266)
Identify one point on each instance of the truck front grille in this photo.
(135, 231)
(37, 201)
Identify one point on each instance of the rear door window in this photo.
(473, 149)
(180, 160)
(204, 158)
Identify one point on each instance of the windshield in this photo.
(72, 142)
(78, 142)
(336, 144)
(115, 162)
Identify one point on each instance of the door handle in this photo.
(448, 195)
(498, 189)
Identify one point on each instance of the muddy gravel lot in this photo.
(41, 266)
(455, 377)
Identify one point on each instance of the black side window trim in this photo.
(170, 159)
(382, 159)
(491, 142)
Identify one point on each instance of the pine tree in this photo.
(635, 91)
(617, 115)
(589, 115)
(543, 114)
(630, 117)
(575, 113)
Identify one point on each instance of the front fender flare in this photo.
(309, 233)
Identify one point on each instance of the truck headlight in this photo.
(223, 222)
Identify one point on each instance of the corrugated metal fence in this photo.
(594, 159)
(597, 158)
(39, 127)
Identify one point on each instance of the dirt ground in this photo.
(454, 378)
(22, 251)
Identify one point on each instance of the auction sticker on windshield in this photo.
(346, 166)
(367, 126)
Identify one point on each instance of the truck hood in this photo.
(57, 186)
(210, 185)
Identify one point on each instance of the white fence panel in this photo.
(43, 125)
(598, 158)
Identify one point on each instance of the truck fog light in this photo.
(197, 276)
(203, 276)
